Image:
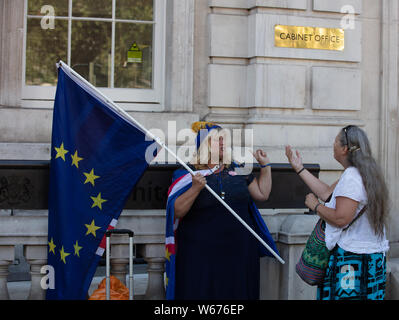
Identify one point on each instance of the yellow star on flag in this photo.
(91, 228)
(77, 248)
(63, 254)
(166, 280)
(76, 159)
(167, 255)
(97, 201)
(61, 152)
(90, 177)
(51, 246)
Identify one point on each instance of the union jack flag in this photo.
(181, 182)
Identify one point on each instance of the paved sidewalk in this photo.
(19, 290)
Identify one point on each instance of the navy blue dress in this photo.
(217, 257)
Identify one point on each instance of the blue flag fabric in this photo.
(97, 156)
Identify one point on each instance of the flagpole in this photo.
(162, 144)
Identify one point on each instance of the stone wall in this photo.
(221, 65)
(303, 97)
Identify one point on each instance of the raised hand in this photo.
(294, 159)
(261, 157)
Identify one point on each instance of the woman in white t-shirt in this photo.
(357, 263)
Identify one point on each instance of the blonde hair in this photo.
(203, 155)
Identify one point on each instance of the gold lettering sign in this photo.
(309, 37)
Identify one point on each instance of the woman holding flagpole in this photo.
(210, 255)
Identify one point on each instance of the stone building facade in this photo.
(217, 60)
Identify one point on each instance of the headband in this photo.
(202, 128)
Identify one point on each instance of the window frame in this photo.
(131, 99)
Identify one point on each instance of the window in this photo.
(117, 45)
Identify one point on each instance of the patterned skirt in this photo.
(351, 276)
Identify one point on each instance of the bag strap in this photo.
(357, 217)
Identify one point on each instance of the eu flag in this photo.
(97, 156)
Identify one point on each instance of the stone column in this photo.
(6, 258)
(155, 287)
(392, 285)
(11, 40)
(179, 45)
(154, 256)
(119, 269)
(119, 260)
(389, 115)
(36, 256)
(293, 235)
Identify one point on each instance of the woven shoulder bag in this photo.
(313, 263)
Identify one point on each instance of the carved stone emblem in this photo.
(15, 190)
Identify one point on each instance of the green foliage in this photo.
(91, 42)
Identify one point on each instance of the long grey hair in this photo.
(360, 156)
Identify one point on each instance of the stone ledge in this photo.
(24, 151)
(392, 289)
(296, 229)
(29, 227)
(251, 4)
(281, 4)
(337, 5)
(5, 213)
(27, 138)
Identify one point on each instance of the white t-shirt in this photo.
(359, 237)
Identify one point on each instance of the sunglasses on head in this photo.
(346, 133)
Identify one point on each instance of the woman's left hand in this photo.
(311, 201)
(261, 157)
(261, 186)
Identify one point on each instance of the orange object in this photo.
(118, 290)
